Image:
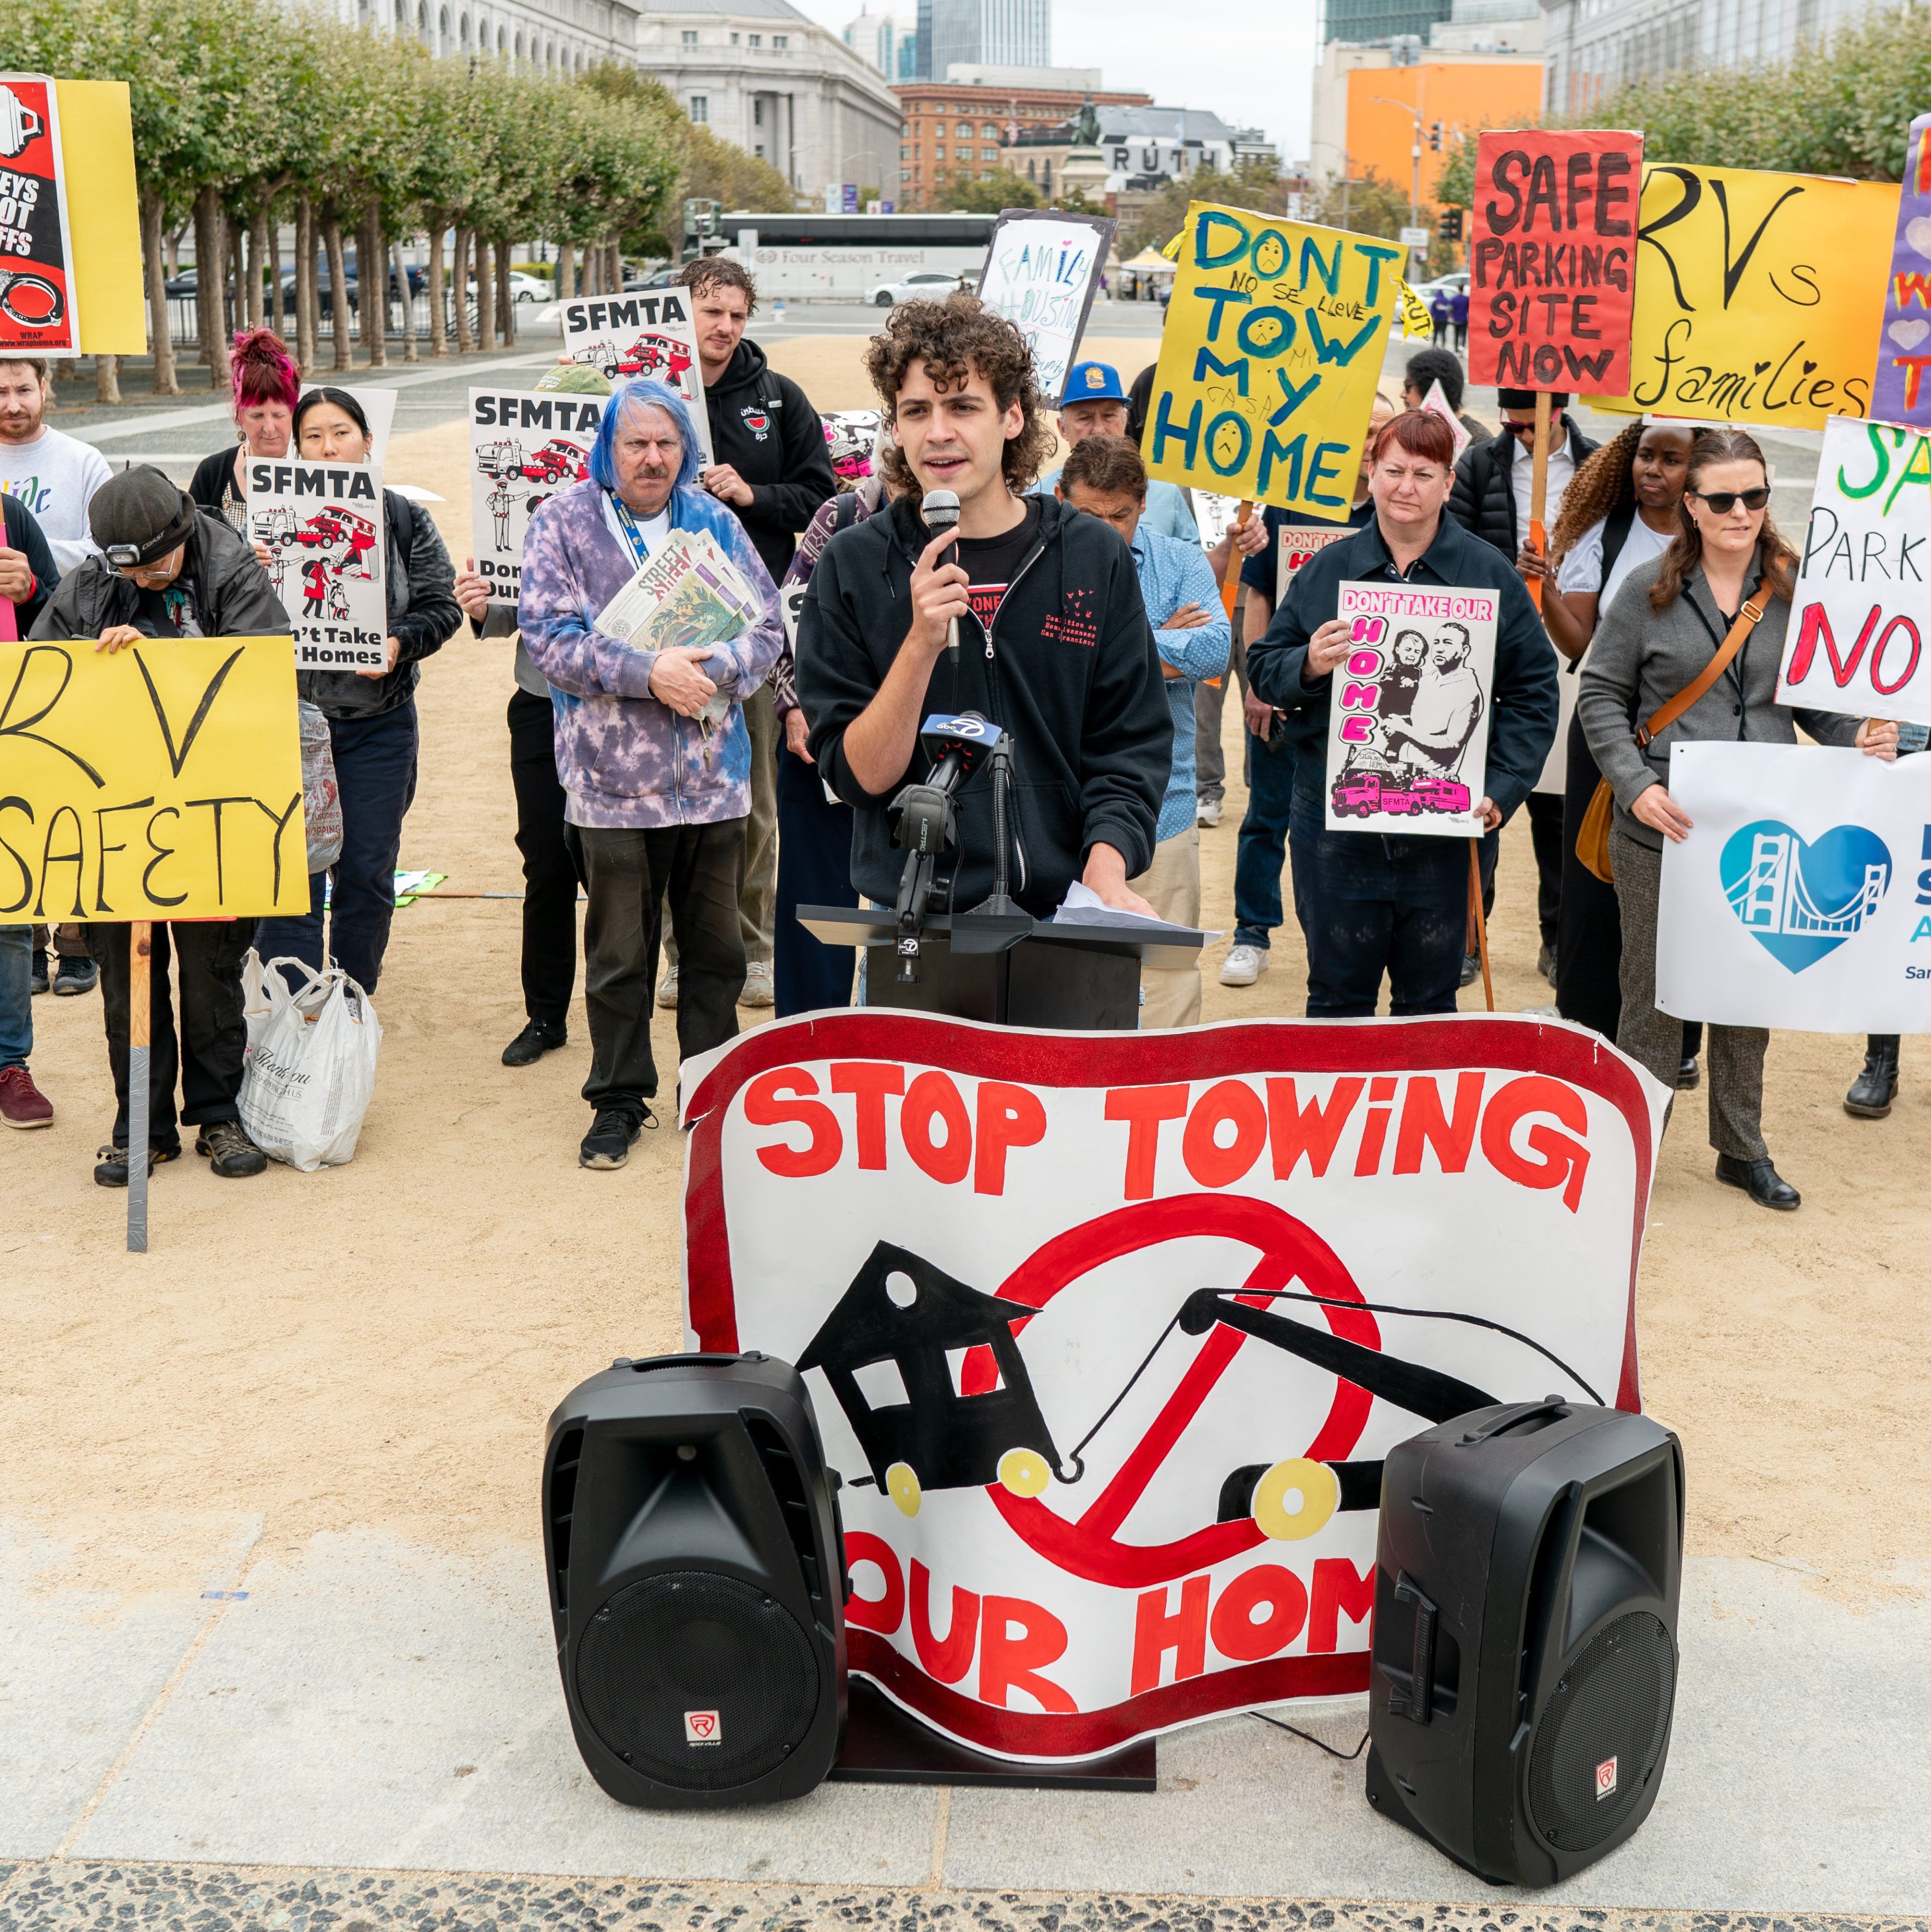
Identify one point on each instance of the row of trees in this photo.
(247, 117)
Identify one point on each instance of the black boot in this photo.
(1759, 1181)
(1876, 1087)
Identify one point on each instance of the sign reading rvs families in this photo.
(1042, 272)
(37, 296)
(1273, 348)
(646, 335)
(1553, 260)
(522, 449)
(322, 525)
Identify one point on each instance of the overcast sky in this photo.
(1251, 65)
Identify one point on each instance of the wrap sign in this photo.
(1110, 1333)
(649, 336)
(36, 294)
(1757, 300)
(1802, 896)
(161, 781)
(1855, 642)
(1042, 272)
(321, 524)
(522, 449)
(1553, 260)
(1407, 733)
(1904, 352)
(1273, 347)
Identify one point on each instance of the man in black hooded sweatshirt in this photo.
(773, 468)
(1054, 644)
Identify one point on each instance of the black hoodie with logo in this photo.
(763, 425)
(1068, 667)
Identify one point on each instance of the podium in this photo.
(1009, 968)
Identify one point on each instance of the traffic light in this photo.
(1448, 224)
(1435, 135)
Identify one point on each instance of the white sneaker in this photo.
(1243, 965)
(758, 989)
(1209, 811)
(667, 988)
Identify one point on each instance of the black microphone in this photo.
(941, 510)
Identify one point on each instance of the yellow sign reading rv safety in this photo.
(162, 782)
(1273, 348)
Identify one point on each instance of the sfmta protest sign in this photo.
(642, 335)
(1407, 734)
(1042, 272)
(1904, 352)
(321, 524)
(1273, 348)
(1862, 608)
(522, 449)
(1551, 259)
(1758, 299)
(1803, 896)
(161, 781)
(38, 305)
(975, 1241)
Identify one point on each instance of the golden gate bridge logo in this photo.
(1799, 899)
(1773, 897)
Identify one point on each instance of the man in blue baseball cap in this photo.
(1095, 405)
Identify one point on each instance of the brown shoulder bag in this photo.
(1592, 841)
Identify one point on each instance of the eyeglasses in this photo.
(1722, 502)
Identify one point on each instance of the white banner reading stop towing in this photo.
(1109, 1332)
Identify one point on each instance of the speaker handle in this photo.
(1516, 1414)
(1419, 1704)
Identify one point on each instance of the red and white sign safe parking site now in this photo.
(1109, 1334)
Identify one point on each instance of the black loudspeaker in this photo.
(1527, 1573)
(697, 1580)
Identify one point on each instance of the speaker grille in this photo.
(1613, 1703)
(688, 1641)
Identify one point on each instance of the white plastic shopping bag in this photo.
(311, 1063)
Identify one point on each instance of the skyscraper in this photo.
(985, 33)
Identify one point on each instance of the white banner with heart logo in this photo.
(1803, 897)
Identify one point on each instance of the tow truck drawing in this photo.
(507, 466)
(652, 353)
(331, 544)
(1361, 794)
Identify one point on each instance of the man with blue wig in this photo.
(654, 792)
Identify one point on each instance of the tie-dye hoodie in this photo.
(625, 758)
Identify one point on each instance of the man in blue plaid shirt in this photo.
(1104, 478)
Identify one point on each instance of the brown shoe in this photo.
(22, 1103)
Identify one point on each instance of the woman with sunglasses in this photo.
(1670, 618)
(267, 383)
(371, 714)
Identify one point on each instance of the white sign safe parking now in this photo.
(1081, 1507)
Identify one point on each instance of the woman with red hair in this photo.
(1374, 904)
(267, 383)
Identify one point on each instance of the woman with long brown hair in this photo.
(1671, 617)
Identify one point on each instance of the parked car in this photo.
(530, 288)
(929, 285)
(664, 278)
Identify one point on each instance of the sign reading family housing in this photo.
(160, 781)
(1802, 896)
(321, 524)
(1042, 272)
(1273, 348)
(1084, 1320)
(1551, 259)
(648, 335)
(1862, 611)
(522, 449)
(1757, 298)
(38, 305)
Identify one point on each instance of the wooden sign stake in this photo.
(1478, 920)
(140, 954)
(1230, 583)
(1539, 489)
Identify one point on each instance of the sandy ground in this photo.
(378, 1345)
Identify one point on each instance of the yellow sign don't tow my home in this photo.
(162, 782)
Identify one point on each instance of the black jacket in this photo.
(213, 482)
(1483, 499)
(1070, 669)
(25, 534)
(1522, 704)
(233, 596)
(424, 615)
(763, 425)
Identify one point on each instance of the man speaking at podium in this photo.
(1052, 639)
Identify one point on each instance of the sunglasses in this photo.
(1722, 502)
(1528, 428)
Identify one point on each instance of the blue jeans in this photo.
(16, 995)
(374, 771)
(1263, 839)
(1371, 903)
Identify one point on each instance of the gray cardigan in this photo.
(1640, 659)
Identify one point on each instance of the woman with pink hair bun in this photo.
(267, 383)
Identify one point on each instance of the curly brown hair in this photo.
(720, 272)
(1606, 483)
(954, 338)
(1726, 443)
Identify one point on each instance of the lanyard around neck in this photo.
(628, 524)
